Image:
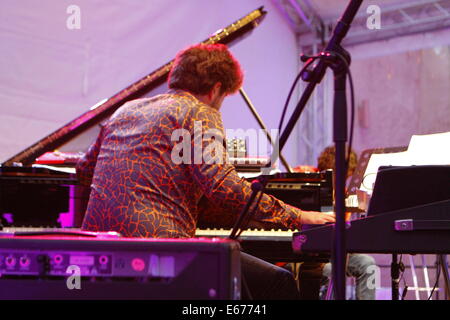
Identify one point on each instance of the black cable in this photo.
(249, 216)
(238, 234)
(246, 288)
(402, 277)
(405, 289)
(283, 114)
(438, 266)
(402, 269)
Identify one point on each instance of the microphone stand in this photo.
(332, 57)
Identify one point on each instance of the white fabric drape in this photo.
(51, 74)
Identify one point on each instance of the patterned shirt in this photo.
(140, 188)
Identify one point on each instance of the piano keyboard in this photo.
(37, 229)
(8, 231)
(271, 245)
(222, 233)
(246, 234)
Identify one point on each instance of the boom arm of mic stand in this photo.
(339, 33)
(262, 125)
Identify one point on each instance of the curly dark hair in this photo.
(326, 160)
(198, 68)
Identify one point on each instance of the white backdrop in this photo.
(51, 74)
(401, 89)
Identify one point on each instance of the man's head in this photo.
(207, 71)
(326, 160)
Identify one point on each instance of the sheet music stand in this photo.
(358, 176)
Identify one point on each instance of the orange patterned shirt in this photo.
(139, 191)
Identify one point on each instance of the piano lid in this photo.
(87, 120)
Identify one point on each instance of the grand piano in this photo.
(35, 194)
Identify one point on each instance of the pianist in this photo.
(139, 191)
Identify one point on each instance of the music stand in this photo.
(358, 176)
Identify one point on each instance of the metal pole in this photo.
(262, 125)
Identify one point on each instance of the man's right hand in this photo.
(313, 217)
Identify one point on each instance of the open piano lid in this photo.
(100, 111)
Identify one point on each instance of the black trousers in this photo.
(266, 281)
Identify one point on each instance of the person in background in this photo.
(359, 266)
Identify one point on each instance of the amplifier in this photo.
(305, 190)
(55, 267)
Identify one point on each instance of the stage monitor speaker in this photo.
(55, 267)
